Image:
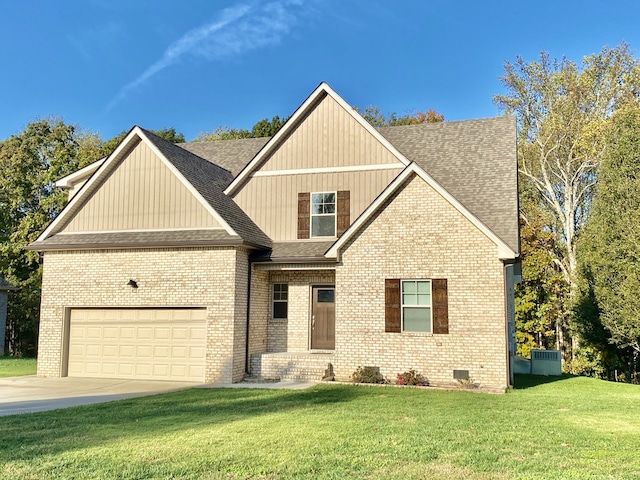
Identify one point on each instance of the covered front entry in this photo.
(146, 343)
(323, 318)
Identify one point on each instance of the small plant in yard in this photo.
(367, 375)
(467, 382)
(411, 378)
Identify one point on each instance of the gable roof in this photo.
(505, 252)
(298, 116)
(475, 161)
(204, 179)
(210, 180)
(78, 176)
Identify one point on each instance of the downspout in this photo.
(509, 307)
(246, 343)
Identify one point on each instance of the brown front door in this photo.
(323, 318)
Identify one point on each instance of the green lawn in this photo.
(570, 428)
(15, 367)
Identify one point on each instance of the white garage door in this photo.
(153, 344)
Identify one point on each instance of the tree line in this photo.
(578, 159)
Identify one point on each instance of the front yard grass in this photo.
(569, 428)
(15, 367)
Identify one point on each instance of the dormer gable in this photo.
(321, 169)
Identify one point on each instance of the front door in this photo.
(323, 318)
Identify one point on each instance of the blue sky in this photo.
(106, 65)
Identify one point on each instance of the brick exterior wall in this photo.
(419, 235)
(416, 235)
(211, 277)
(292, 334)
(260, 311)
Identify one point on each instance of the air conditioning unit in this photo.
(546, 362)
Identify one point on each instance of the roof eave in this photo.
(274, 260)
(147, 245)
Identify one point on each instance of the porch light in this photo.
(132, 283)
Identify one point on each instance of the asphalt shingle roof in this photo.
(210, 180)
(161, 238)
(475, 161)
(232, 155)
(295, 251)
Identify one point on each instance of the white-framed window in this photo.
(323, 214)
(280, 301)
(415, 297)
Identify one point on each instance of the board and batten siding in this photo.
(272, 202)
(142, 193)
(327, 138)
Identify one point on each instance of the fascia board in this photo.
(79, 175)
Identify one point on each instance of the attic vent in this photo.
(546, 362)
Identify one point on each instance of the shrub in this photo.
(411, 378)
(367, 375)
(467, 382)
(586, 362)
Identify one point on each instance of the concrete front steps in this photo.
(288, 366)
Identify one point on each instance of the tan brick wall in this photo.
(297, 325)
(419, 234)
(283, 335)
(241, 287)
(198, 277)
(260, 294)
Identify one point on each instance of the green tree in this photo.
(30, 162)
(375, 117)
(223, 133)
(263, 128)
(609, 250)
(562, 111)
(539, 297)
(266, 128)
(105, 148)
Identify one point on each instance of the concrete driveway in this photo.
(33, 394)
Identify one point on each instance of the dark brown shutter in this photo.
(392, 305)
(440, 304)
(304, 213)
(344, 205)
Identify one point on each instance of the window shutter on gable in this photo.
(440, 305)
(392, 305)
(304, 213)
(343, 208)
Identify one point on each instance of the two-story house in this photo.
(330, 244)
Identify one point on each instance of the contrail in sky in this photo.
(235, 31)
